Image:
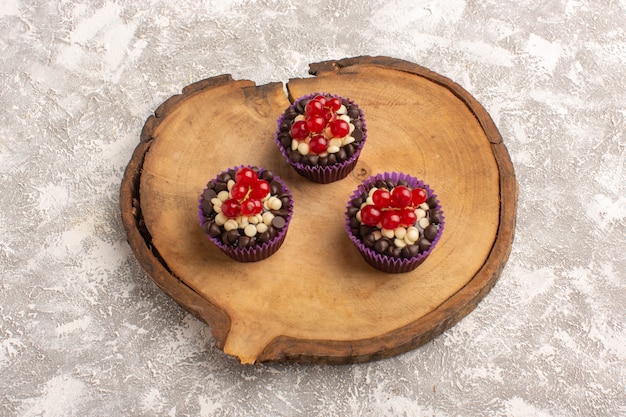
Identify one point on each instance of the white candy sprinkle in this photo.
(420, 214)
(220, 219)
(230, 224)
(372, 191)
(266, 204)
(335, 142)
(424, 206)
(344, 117)
(328, 132)
(303, 148)
(216, 202)
(294, 144)
(223, 195)
(253, 219)
(261, 228)
(388, 233)
(250, 230)
(369, 200)
(358, 216)
(347, 140)
(230, 184)
(400, 243)
(275, 203)
(424, 223)
(217, 209)
(267, 218)
(377, 234)
(400, 232)
(351, 128)
(242, 221)
(412, 234)
(342, 110)
(333, 149)
(299, 117)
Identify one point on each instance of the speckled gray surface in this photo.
(84, 331)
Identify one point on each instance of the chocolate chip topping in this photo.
(264, 237)
(209, 194)
(207, 207)
(312, 159)
(369, 240)
(285, 139)
(269, 176)
(275, 187)
(353, 112)
(424, 244)
(214, 230)
(232, 236)
(382, 245)
(435, 216)
(221, 186)
(357, 134)
(243, 241)
(410, 251)
(350, 150)
(278, 222)
(295, 156)
(430, 232)
(341, 155)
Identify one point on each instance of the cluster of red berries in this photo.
(321, 124)
(393, 209)
(246, 195)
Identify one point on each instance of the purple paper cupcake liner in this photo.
(317, 173)
(387, 263)
(257, 252)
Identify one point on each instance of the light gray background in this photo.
(84, 331)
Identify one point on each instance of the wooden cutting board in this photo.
(316, 300)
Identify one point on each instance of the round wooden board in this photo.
(316, 300)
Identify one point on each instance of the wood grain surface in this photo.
(316, 300)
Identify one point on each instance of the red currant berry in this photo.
(258, 206)
(390, 219)
(318, 144)
(407, 217)
(239, 191)
(230, 208)
(299, 130)
(251, 206)
(334, 104)
(370, 215)
(321, 99)
(259, 189)
(401, 196)
(381, 198)
(246, 176)
(339, 128)
(314, 108)
(327, 115)
(419, 196)
(315, 124)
